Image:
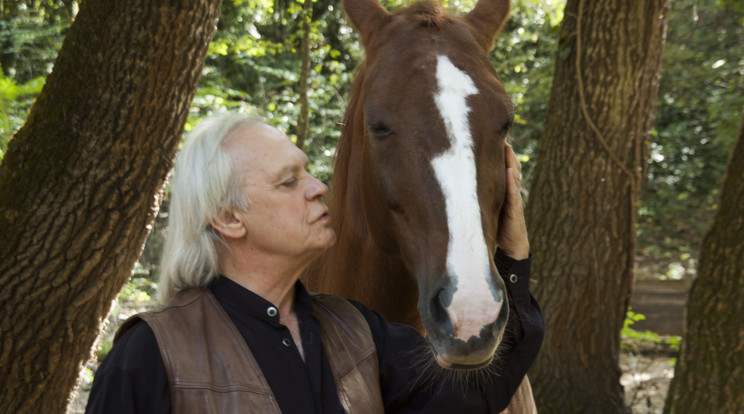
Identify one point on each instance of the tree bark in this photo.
(81, 183)
(582, 208)
(709, 376)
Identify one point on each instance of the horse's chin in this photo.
(476, 353)
(455, 366)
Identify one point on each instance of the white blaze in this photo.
(473, 305)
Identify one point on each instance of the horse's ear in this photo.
(486, 19)
(366, 16)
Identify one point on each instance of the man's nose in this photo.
(315, 189)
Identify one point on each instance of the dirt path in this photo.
(646, 380)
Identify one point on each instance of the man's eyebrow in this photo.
(288, 170)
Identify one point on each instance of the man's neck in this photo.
(273, 282)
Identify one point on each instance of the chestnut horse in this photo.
(419, 178)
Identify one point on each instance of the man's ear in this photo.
(229, 225)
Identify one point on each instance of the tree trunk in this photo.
(582, 208)
(81, 182)
(303, 124)
(709, 376)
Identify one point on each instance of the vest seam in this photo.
(367, 354)
(227, 389)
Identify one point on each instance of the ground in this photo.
(646, 380)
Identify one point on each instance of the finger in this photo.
(509, 155)
(511, 158)
(514, 197)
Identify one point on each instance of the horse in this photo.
(419, 178)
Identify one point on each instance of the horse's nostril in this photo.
(438, 306)
(445, 298)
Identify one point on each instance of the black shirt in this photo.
(132, 378)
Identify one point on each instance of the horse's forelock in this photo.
(427, 14)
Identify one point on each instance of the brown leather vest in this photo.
(211, 369)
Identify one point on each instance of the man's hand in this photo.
(512, 235)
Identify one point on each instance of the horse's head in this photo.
(435, 117)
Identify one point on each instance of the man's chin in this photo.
(325, 242)
(331, 237)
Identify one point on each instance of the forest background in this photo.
(254, 64)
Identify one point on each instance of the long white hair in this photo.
(203, 186)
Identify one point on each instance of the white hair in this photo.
(203, 186)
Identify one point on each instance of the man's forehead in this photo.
(265, 149)
(292, 160)
(256, 133)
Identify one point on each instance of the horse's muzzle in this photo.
(465, 335)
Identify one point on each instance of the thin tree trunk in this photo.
(81, 182)
(709, 376)
(582, 207)
(303, 124)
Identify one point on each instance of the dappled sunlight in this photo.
(646, 381)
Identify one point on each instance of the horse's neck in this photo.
(355, 267)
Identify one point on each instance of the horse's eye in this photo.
(380, 129)
(507, 126)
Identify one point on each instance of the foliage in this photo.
(629, 332)
(523, 56)
(700, 101)
(253, 66)
(31, 37)
(15, 101)
(139, 288)
(29, 41)
(105, 344)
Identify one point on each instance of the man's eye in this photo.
(290, 183)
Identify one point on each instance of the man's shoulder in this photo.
(329, 300)
(134, 349)
(343, 307)
(137, 334)
(132, 377)
(141, 320)
(337, 306)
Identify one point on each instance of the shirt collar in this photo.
(244, 301)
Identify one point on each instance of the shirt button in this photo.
(286, 342)
(271, 311)
(513, 278)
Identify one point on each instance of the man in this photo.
(240, 333)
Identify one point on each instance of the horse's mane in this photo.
(348, 154)
(344, 200)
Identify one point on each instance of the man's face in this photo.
(286, 215)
